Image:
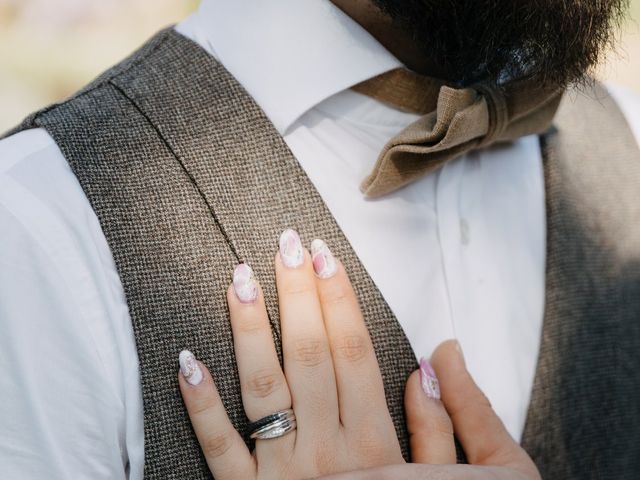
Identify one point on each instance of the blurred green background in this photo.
(49, 48)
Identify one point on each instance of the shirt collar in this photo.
(289, 54)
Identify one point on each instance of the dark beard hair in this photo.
(553, 41)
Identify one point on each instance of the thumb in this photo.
(429, 425)
(482, 434)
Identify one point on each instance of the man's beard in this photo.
(553, 41)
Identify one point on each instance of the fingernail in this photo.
(429, 380)
(190, 368)
(291, 248)
(244, 283)
(324, 264)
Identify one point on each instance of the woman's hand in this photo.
(490, 450)
(332, 382)
(331, 379)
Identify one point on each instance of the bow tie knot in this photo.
(497, 110)
(454, 121)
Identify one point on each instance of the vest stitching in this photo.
(175, 155)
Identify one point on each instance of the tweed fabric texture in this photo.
(188, 177)
(584, 417)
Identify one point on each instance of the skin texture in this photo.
(555, 41)
(332, 381)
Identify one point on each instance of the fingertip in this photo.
(420, 399)
(280, 264)
(291, 253)
(450, 367)
(194, 394)
(476, 424)
(244, 285)
(448, 357)
(234, 301)
(190, 368)
(325, 264)
(450, 348)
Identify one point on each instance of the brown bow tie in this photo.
(454, 122)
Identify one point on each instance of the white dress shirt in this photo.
(459, 253)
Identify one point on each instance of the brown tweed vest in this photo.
(188, 177)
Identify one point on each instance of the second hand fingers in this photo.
(429, 425)
(480, 431)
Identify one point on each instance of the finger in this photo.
(307, 359)
(358, 378)
(225, 452)
(429, 425)
(263, 384)
(262, 381)
(483, 437)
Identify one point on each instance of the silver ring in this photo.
(273, 426)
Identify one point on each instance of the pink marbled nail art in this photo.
(190, 368)
(324, 264)
(291, 251)
(429, 380)
(245, 284)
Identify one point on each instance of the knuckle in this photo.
(310, 352)
(337, 294)
(263, 383)
(474, 400)
(325, 457)
(443, 423)
(203, 405)
(370, 445)
(298, 289)
(476, 407)
(251, 325)
(439, 422)
(216, 445)
(352, 348)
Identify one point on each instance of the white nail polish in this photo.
(324, 264)
(190, 368)
(291, 251)
(245, 284)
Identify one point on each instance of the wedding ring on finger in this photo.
(273, 426)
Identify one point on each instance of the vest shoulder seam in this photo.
(108, 75)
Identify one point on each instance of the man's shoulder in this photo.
(46, 219)
(18, 147)
(61, 298)
(33, 169)
(629, 103)
(599, 119)
(40, 193)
